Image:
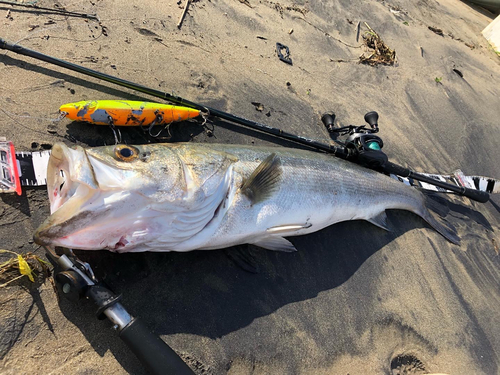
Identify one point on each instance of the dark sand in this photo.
(354, 299)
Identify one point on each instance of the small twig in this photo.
(357, 31)
(179, 24)
(61, 11)
(327, 34)
(246, 3)
(11, 281)
(369, 28)
(344, 60)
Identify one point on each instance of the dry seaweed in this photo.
(380, 53)
(20, 265)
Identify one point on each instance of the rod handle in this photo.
(152, 351)
(476, 195)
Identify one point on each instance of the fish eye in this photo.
(126, 153)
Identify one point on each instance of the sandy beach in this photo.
(353, 299)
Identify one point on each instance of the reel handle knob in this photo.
(372, 119)
(329, 121)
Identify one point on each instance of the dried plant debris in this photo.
(20, 265)
(282, 8)
(380, 53)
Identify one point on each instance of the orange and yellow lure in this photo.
(126, 113)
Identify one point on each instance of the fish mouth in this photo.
(80, 217)
(70, 175)
(70, 184)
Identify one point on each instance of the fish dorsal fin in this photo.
(264, 180)
(380, 221)
(276, 243)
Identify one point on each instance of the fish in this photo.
(126, 112)
(188, 196)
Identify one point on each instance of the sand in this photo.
(354, 299)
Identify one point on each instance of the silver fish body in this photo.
(184, 196)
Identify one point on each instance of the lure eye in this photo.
(126, 153)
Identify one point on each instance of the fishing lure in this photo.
(126, 113)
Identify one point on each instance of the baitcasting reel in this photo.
(361, 145)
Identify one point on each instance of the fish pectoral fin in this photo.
(264, 180)
(276, 243)
(380, 221)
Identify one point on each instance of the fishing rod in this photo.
(63, 12)
(360, 152)
(75, 280)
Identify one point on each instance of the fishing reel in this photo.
(361, 145)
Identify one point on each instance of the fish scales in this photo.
(182, 197)
(316, 190)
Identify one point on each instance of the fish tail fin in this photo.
(435, 214)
